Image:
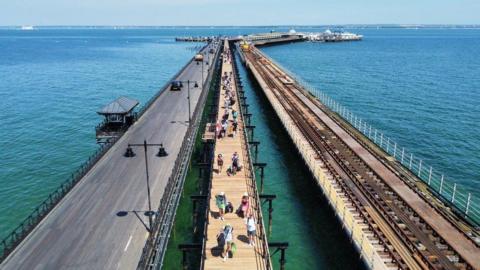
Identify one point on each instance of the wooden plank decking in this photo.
(246, 256)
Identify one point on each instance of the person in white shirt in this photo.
(251, 229)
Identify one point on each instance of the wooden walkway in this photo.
(234, 187)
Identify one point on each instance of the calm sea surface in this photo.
(421, 87)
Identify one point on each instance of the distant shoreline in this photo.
(350, 26)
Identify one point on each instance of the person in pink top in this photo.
(244, 209)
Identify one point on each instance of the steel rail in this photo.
(372, 192)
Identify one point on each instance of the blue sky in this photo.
(237, 12)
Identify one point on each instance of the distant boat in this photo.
(27, 27)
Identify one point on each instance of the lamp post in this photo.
(188, 82)
(161, 153)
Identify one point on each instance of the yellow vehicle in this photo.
(245, 46)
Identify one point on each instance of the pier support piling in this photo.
(248, 117)
(262, 167)
(186, 248)
(195, 199)
(269, 198)
(255, 143)
(281, 246)
(250, 128)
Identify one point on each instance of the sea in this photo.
(421, 87)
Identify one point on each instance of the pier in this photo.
(195, 39)
(393, 224)
(234, 186)
(123, 198)
(118, 211)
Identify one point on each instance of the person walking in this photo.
(224, 127)
(220, 163)
(234, 115)
(228, 233)
(251, 229)
(235, 162)
(221, 202)
(234, 128)
(244, 209)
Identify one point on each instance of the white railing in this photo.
(451, 192)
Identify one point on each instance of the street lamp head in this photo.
(129, 152)
(195, 85)
(162, 152)
(149, 213)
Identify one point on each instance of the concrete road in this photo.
(84, 231)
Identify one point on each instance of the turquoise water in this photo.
(52, 83)
(421, 87)
(301, 213)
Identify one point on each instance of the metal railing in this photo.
(156, 244)
(11, 241)
(263, 234)
(449, 191)
(209, 188)
(14, 238)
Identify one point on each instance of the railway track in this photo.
(401, 230)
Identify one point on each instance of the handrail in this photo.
(209, 195)
(252, 174)
(14, 238)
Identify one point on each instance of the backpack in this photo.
(221, 240)
(229, 208)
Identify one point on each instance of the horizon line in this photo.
(277, 25)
